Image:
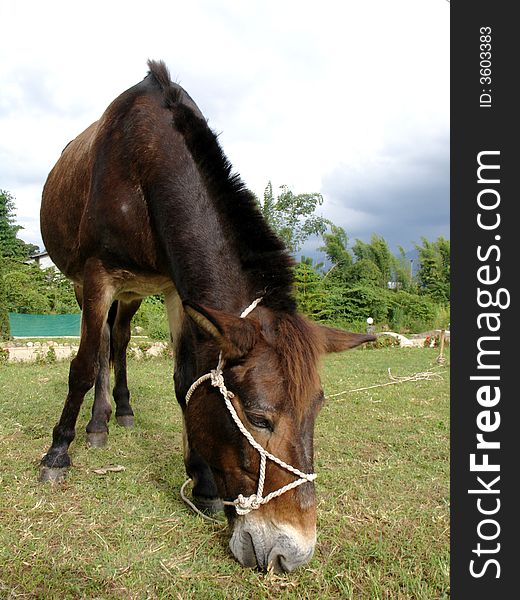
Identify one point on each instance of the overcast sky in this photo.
(347, 98)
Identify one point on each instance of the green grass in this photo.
(382, 458)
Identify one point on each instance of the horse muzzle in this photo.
(270, 546)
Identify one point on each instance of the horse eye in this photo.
(260, 422)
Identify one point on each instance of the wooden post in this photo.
(441, 359)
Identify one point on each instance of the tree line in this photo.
(361, 279)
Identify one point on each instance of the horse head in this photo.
(252, 418)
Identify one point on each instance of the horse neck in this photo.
(202, 256)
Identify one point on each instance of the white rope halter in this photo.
(242, 504)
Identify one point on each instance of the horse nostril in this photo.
(286, 559)
(246, 550)
(276, 565)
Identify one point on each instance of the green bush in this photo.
(60, 293)
(383, 341)
(442, 316)
(311, 295)
(151, 316)
(4, 356)
(28, 289)
(24, 289)
(4, 320)
(410, 312)
(49, 358)
(356, 303)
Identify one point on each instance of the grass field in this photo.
(382, 458)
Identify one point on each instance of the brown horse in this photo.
(143, 202)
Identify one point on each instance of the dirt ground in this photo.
(50, 351)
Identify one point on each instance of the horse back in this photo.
(95, 200)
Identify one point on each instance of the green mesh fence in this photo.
(44, 325)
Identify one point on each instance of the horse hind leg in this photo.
(114, 343)
(83, 369)
(97, 427)
(120, 338)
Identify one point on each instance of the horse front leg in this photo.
(83, 370)
(205, 494)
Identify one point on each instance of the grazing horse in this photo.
(143, 202)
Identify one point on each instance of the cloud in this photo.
(400, 195)
(347, 98)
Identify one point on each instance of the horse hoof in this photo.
(52, 474)
(125, 420)
(209, 506)
(97, 439)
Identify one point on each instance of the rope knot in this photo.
(245, 505)
(217, 380)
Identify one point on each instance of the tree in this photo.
(24, 288)
(335, 247)
(370, 264)
(10, 245)
(378, 253)
(4, 317)
(365, 271)
(434, 269)
(309, 290)
(403, 273)
(308, 260)
(292, 215)
(8, 229)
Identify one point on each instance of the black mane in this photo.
(262, 254)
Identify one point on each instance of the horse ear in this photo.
(234, 335)
(337, 340)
